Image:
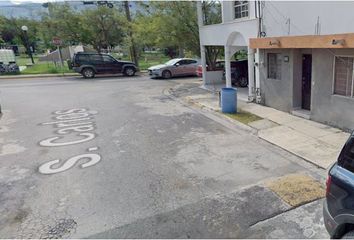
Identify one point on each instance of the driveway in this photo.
(118, 158)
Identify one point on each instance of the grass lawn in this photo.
(46, 67)
(23, 60)
(39, 67)
(147, 60)
(243, 116)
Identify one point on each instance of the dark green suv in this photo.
(90, 64)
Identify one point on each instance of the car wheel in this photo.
(166, 74)
(349, 235)
(88, 73)
(243, 82)
(129, 71)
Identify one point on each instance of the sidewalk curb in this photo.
(216, 112)
(38, 76)
(293, 153)
(211, 113)
(8, 77)
(239, 125)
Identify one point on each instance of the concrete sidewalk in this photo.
(6, 77)
(48, 75)
(317, 143)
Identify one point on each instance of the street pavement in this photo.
(117, 157)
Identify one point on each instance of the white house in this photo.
(300, 54)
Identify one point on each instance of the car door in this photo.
(178, 68)
(220, 66)
(111, 65)
(97, 61)
(190, 67)
(340, 195)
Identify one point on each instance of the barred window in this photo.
(274, 66)
(241, 9)
(343, 76)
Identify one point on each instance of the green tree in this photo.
(11, 31)
(61, 21)
(211, 12)
(174, 24)
(103, 27)
(169, 24)
(100, 27)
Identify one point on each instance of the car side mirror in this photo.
(177, 64)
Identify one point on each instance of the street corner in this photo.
(297, 189)
(305, 221)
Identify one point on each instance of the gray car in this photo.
(175, 67)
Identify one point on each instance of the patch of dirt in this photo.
(297, 189)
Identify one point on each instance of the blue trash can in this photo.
(229, 100)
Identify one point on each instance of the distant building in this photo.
(67, 53)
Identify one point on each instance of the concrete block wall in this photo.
(277, 93)
(327, 107)
(285, 94)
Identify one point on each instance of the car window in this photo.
(108, 58)
(182, 62)
(172, 62)
(346, 159)
(219, 65)
(96, 58)
(82, 58)
(190, 61)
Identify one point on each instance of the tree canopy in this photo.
(171, 25)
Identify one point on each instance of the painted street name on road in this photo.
(78, 122)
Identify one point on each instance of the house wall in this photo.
(218, 34)
(303, 17)
(334, 17)
(228, 11)
(326, 107)
(296, 59)
(285, 94)
(277, 93)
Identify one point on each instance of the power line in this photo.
(286, 18)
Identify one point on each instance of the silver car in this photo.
(175, 67)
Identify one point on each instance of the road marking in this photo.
(47, 168)
(71, 122)
(50, 142)
(92, 149)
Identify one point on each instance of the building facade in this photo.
(300, 55)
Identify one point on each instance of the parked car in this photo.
(90, 64)
(219, 66)
(175, 67)
(338, 209)
(239, 71)
(8, 62)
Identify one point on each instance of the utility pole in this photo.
(133, 51)
(28, 47)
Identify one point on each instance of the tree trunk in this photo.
(133, 50)
(212, 54)
(180, 52)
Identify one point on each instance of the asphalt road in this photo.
(116, 157)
